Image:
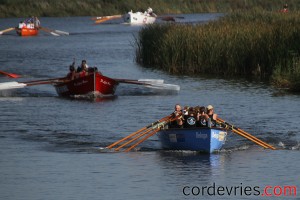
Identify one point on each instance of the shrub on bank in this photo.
(260, 44)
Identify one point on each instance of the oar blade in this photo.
(62, 32)
(152, 80)
(99, 20)
(151, 83)
(6, 30)
(10, 75)
(55, 34)
(163, 86)
(11, 85)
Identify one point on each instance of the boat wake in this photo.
(95, 97)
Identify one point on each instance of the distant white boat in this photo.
(139, 18)
(148, 17)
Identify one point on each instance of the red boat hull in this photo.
(94, 84)
(27, 31)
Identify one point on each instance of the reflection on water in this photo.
(191, 164)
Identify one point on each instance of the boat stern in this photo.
(206, 140)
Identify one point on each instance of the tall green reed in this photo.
(241, 43)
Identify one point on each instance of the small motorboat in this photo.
(94, 84)
(203, 139)
(147, 17)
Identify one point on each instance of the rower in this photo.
(202, 117)
(212, 121)
(190, 118)
(83, 69)
(71, 75)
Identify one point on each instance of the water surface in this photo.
(51, 147)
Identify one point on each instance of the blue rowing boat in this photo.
(205, 139)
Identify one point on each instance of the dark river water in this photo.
(50, 147)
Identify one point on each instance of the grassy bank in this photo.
(55, 8)
(259, 44)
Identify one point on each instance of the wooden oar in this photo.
(44, 80)
(49, 31)
(150, 84)
(245, 134)
(99, 20)
(139, 131)
(11, 75)
(62, 32)
(167, 18)
(142, 140)
(54, 32)
(6, 30)
(151, 132)
(133, 139)
(143, 134)
(250, 136)
(14, 84)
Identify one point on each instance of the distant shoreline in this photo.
(70, 8)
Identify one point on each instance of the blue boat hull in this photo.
(195, 139)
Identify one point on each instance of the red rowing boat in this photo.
(94, 84)
(27, 31)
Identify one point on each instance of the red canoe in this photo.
(27, 31)
(94, 84)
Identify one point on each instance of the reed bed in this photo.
(55, 8)
(260, 44)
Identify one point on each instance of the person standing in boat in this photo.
(202, 117)
(212, 120)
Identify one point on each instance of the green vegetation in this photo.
(55, 8)
(259, 44)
